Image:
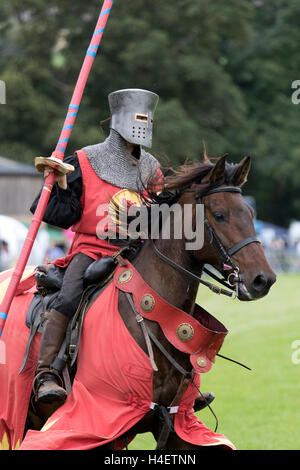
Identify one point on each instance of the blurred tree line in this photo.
(223, 71)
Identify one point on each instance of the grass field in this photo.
(257, 409)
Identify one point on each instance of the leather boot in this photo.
(48, 385)
(202, 401)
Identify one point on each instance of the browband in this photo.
(226, 189)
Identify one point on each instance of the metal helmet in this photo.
(132, 112)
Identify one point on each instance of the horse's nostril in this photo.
(260, 282)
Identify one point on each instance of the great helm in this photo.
(132, 112)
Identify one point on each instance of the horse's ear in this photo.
(241, 174)
(205, 158)
(217, 171)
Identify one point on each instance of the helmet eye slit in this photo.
(141, 117)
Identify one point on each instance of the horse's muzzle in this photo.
(258, 288)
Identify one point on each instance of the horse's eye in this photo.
(219, 217)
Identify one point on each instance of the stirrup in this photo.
(38, 380)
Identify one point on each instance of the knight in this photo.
(118, 166)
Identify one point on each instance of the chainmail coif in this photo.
(112, 162)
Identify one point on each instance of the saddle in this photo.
(49, 280)
(50, 277)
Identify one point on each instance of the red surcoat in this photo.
(96, 193)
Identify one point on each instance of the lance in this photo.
(55, 161)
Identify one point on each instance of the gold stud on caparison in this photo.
(185, 332)
(147, 303)
(201, 361)
(125, 276)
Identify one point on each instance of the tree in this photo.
(176, 52)
(265, 72)
(223, 71)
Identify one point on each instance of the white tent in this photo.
(294, 232)
(13, 233)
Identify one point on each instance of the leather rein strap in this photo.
(194, 277)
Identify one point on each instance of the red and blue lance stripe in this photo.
(81, 82)
(59, 153)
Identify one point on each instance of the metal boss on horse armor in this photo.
(132, 112)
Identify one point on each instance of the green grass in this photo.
(258, 409)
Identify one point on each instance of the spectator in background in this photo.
(58, 250)
(4, 258)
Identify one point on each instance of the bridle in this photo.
(230, 281)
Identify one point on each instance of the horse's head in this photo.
(230, 242)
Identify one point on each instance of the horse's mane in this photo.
(179, 180)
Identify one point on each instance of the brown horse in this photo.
(173, 272)
(230, 220)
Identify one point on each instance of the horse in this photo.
(166, 374)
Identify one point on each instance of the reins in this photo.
(189, 274)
